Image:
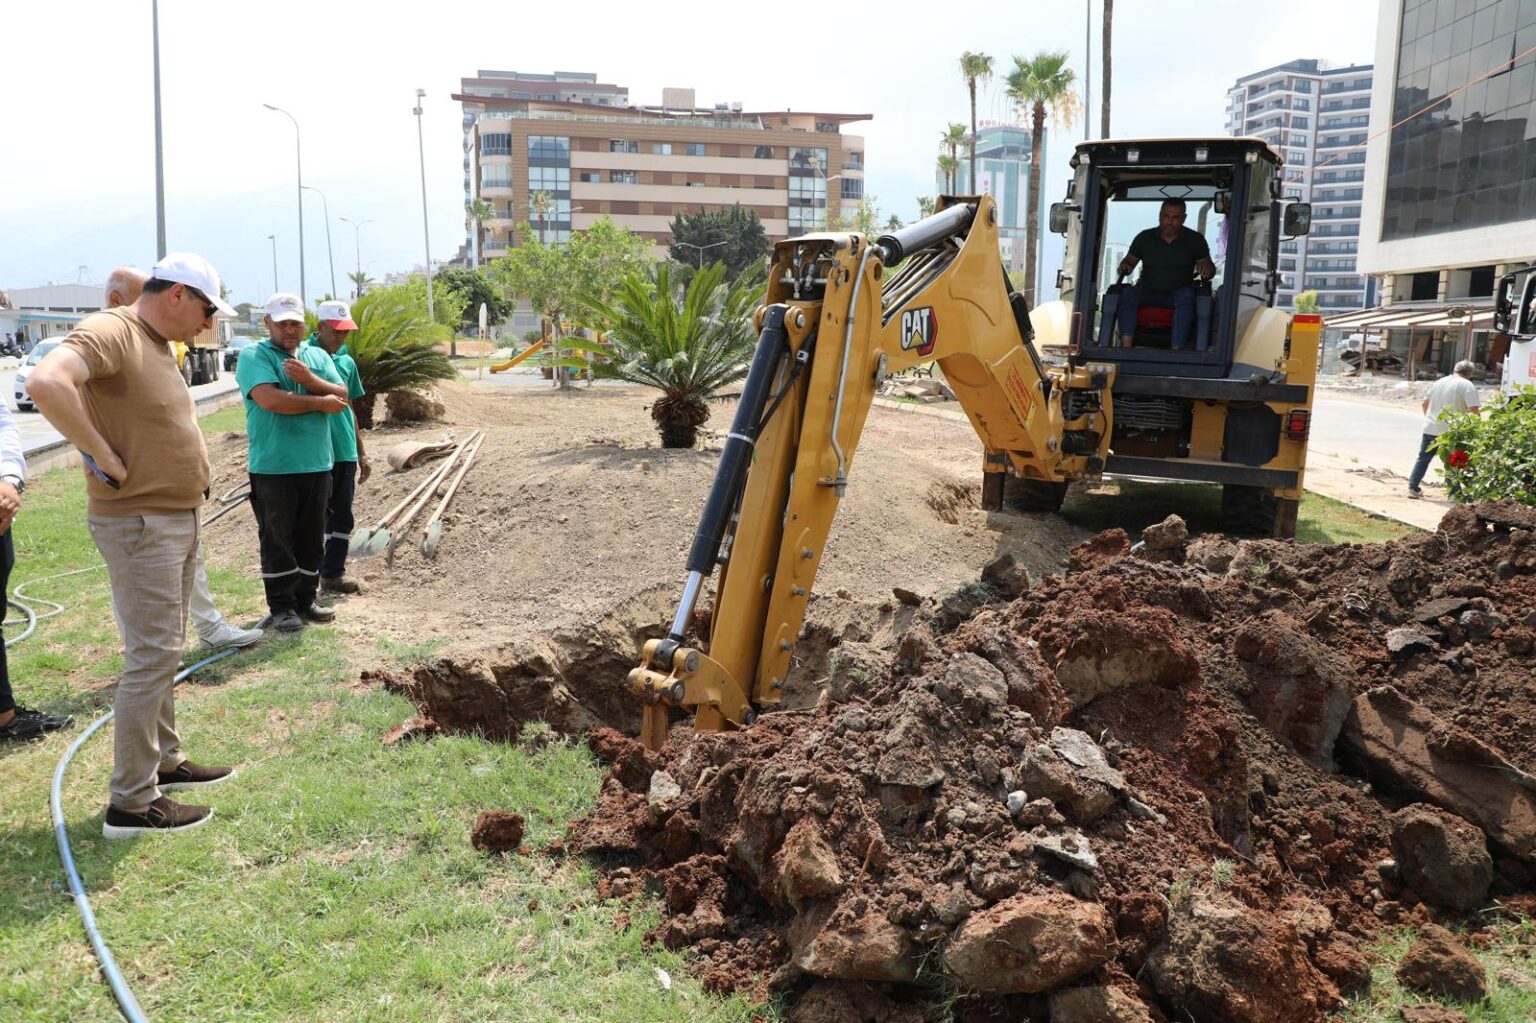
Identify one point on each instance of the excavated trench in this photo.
(1187, 783)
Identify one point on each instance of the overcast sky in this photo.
(77, 120)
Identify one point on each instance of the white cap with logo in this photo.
(337, 315)
(195, 272)
(284, 306)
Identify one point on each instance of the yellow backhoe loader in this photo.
(842, 312)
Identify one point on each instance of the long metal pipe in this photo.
(842, 373)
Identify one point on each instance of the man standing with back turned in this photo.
(351, 468)
(291, 390)
(113, 390)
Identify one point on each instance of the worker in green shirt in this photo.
(291, 391)
(351, 468)
(1171, 254)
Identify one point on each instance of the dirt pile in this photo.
(1173, 782)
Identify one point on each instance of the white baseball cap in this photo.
(195, 272)
(284, 306)
(337, 315)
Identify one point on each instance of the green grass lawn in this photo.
(1135, 505)
(336, 881)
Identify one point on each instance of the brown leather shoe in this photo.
(160, 816)
(339, 584)
(189, 775)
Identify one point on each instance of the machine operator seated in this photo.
(1171, 254)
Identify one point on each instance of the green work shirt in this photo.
(344, 426)
(283, 444)
(1168, 265)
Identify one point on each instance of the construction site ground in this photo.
(1022, 772)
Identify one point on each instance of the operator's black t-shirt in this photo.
(1168, 265)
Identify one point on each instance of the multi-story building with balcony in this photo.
(1314, 114)
(587, 152)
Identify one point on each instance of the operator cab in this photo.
(1230, 193)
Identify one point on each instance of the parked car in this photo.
(232, 353)
(42, 348)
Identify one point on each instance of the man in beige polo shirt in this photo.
(113, 390)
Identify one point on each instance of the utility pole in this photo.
(421, 149)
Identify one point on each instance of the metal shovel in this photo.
(404, 522)
(434, 529)
(372, 542)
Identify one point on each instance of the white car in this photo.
(42, 348)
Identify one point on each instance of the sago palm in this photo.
(1042, 83)
(395, 347)
(686, 342)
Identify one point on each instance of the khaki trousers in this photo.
(151, 560)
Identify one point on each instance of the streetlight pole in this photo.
(273, 239)
(159, 148)
(421, 150)
(298, 154)
(700, 249)
(329, 253)
(357, 245)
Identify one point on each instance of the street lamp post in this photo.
(544, 213)
(421, 150)
(159, 149)
(298, 154)
(273, 239)
(700, 248)
(357, 246)
(329, 253)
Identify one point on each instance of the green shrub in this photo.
(1493, 457)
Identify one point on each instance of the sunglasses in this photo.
(209, 309)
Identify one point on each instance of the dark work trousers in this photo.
(338, 520)
(7, 561)
(290, 522)
(1180, 300)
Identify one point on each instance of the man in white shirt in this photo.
(1455, 394)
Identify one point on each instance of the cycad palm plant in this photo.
(395, 347)
(686, 342)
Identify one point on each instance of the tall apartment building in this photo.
(594, 153)
(1312, 112)
(1002, 167)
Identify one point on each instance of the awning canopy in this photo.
(1414, 318)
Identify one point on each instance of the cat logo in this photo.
(919, 330)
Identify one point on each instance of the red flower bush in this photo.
(1458, 460)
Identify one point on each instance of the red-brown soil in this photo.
(1127, 784)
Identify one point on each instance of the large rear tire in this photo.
(1249, 510)
(1033, 495)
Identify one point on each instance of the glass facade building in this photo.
(1463, 154)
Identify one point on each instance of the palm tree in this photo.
(687, 342)
(974, 68)
(893, 223)
(1109, 20)
(540, 203)
(925, 206)
(1040, 83)
(951, 139)
(479, 211)
(361, 282)
(394, 346)
(949, 166)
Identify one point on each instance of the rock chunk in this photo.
(1439, 965)
(1442, 857)
(497, 831)
(1298, 688)
(1430, 1014)
(1404, 643)
(1030, 943)
(1006, 575)
(807, 866)
(837, 943)
(1225, 963)
(1097, 1005)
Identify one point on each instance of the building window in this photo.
(853, 188)
(802, 220)
(1300, 122)
(827, 127)
(589, 177)
(693, 148)
(496, 175)
(1302, 104)
(549, 149)
(661, 148)
(624, 177)
(853, 161)
(623, 146)
(496, 143)
(550, 179)
(807, 161)
(763, 153)
(808, 192)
